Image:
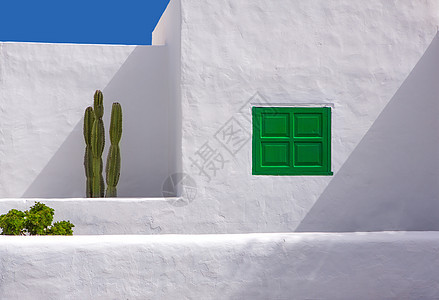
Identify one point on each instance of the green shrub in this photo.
(38, 218)
(12, 223)
(36, 221)
(61, 228)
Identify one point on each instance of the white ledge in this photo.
(366, 265)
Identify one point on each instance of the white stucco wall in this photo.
(44, 90)
(389, 265)
(375, 62)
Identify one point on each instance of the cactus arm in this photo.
(98, 104)
(113, 158)
(88, 124)
(97, 145)
(88, 163)
(116, 123)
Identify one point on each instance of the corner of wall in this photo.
(168, 32)
(169, 25)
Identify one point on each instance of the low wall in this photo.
(385, 265)
(110, 215)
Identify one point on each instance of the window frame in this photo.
(292, 169)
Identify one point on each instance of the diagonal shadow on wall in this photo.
(148, 154)
(391, 179)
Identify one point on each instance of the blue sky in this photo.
(90, 22)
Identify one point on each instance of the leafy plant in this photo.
(38, 218)
(94, 136)
(36, 221)
(61, 228)
(12, 223)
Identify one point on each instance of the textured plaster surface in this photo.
(374, 62)
(44, 90)
(388, 265)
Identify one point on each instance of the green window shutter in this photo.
(291, 141)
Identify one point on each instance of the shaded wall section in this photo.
(49, 86)
(168, 32)
(391, 179)
(143, 89)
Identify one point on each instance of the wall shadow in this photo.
(141, 86)
(391, 179)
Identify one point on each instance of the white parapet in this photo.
(111, 215)
(386, 265)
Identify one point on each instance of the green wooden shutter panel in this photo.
(291, 141)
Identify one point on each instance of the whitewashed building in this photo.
(245, 123)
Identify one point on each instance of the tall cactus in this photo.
(89, 118)
(94, 136)
(113, 158)
(97, 145)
